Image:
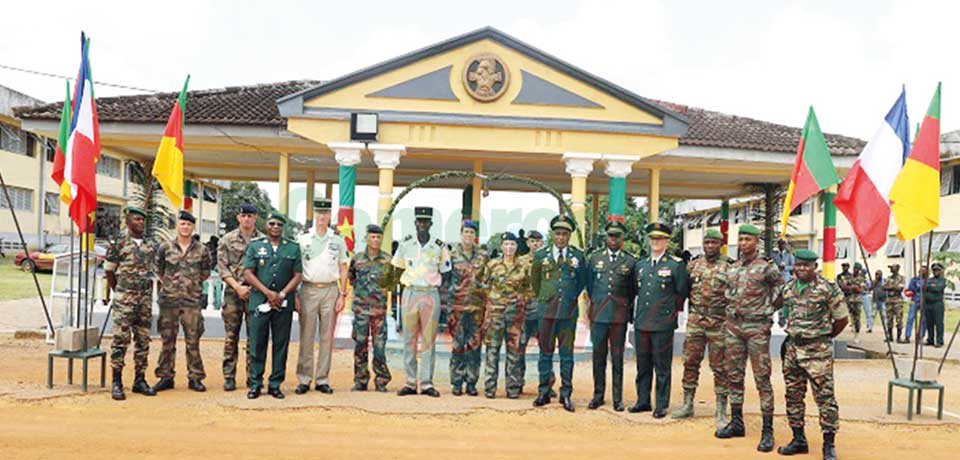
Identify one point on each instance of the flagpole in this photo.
(923, 291)
(883, 317)
(947, 351)
(76, 319)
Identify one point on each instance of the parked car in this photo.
(43, 260)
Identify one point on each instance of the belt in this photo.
(739, 317)
(321, 285)
(801, 341)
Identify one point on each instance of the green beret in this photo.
(713, 234)
(858, 266)
(805, 255)
(136, 210)
(747, 229)
(277, 215)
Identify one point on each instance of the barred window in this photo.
(109, 166)
(894, 246)
(51, 204)
(208, 227)
(22, 199)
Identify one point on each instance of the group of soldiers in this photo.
(507, 299)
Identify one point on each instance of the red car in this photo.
(43, 260)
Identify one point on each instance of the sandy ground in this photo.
(65, 423)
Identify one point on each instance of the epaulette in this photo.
(259, 238)
(731, 260)
(439, 243)
(676, 259)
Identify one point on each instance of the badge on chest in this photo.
(665, 271)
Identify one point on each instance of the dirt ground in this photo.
(65, 423)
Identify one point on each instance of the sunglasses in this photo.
(274, 224)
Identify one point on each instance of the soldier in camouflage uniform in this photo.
(230, 254)
(894, 285)
(370, 273)
(466, 311)
(611, 286)
(750, 285)
(853, 285)
(507, 282)
(183, 264)
(705, 325)
(816, 314)
(129, 268)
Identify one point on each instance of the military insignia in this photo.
(485, 77)
(262, 252)
(624, 270)
(262, 262)
(600, 265)
(665, 271)
(574, 262)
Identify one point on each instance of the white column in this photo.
(579, 166)
(346, 153)
(616, 165)
(387, 158)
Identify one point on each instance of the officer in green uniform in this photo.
(816, 314)
(662, 286)
(611, 286)
(933, 306)
(272, 267)
(558, 276)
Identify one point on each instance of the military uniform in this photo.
(466, 316)
(853, 286)
(933, 308)
(423, 265)
(274, 268)
(531, 323)
(322, 257)
(662, 286)
(558, 276)
(132, 261)
(181, 273)
(894, 285)
(611, 285)
(705, 322)
(369, 275)
(508, 287)
(230, 254)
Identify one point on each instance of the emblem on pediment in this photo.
(486, 77)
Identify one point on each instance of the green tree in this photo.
(148, 194)
(241, 192)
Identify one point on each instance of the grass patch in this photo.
(18, 284)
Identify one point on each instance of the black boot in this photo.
(829, 449)
(798, 445)
(116, 392)
(735, 428)
(140, 386)
(766, 435)
(899, 332)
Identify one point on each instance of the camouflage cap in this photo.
(747, 229)
(805, 255)
(713, 234)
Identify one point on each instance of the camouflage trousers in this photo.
(854, 307)
(131, 318)
(369, 328)
(234, 314)
(894, 314)
(171, 318)
(748, 339)
(503, 325)
(465, 326)
(695, 345)
(811, 362)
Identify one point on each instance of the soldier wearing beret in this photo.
(183, 264)
(611, 286)
(129, 267)
(420, 264)
(272, 266)
(705, 325)
(751, 283)
(230, 253)
(815, 315)
(466, 310)
(662, 286)
(321, 299)
(558, 276)
(370, 274)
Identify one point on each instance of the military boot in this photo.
(116, 392)
(766, 435)
(140, 386)
(798, 445)
(735, 428)
(829, 449)
(899, 333)
(721, 411)
(686, 410)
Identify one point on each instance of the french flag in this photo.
(863, 196)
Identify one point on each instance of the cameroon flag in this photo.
(812, 172)
(168, 167)
(915, 196)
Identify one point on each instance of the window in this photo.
(22, 199)
(954, 243)
(51, 150)
(209, 195)
(108, 166)
(13, 140)
(208, 227)
(807, 207)
(739, 215)
(954, 180)
(51, 204)
(843, 248)
(894, 246)
(939, 241)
